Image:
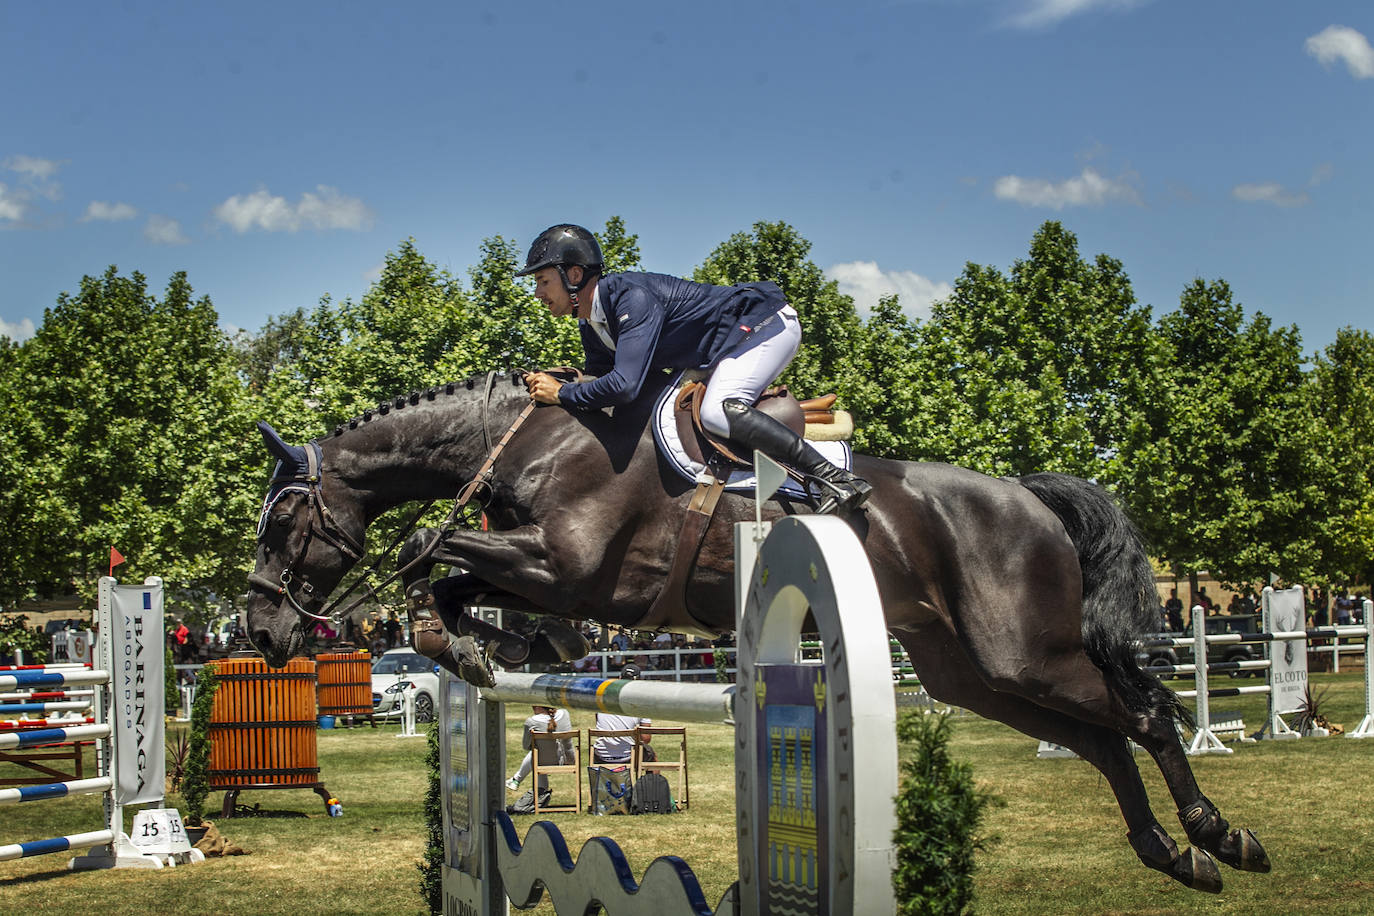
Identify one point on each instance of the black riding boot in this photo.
(754, 429)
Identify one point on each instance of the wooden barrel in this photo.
(345, 683)
(262, 725)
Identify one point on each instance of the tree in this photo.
(135, 435)
(1042, 370)
(1228, 481)
(1342, 388)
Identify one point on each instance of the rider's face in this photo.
(549, 289)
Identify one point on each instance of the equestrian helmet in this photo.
(561, 246)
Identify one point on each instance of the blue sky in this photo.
(278, 151)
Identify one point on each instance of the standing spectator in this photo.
(1344, 609)
(182, 635)
(393, 630)
(1173, 608)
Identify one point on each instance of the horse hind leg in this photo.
(1238, 848)
(938, 659)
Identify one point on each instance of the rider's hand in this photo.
(543, 387)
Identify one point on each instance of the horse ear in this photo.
(291, 454)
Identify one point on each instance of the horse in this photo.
(1020, 599)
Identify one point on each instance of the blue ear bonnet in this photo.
(295, 472)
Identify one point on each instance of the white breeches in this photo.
(750, 367)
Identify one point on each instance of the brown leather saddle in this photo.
(669, 610)
(779, 403)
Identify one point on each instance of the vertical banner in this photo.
(1285, 612)
(134, 615)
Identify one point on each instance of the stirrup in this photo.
(842, 495)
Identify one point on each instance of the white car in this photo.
(392, 671)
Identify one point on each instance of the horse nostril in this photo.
(260, 638)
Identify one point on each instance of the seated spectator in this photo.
(618, 749)
(555, 753)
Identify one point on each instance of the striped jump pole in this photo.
(62, 677)
(56, 790)
(14, 709)
(57, 844)
(40, 736)
(22, 724)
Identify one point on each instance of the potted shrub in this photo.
(195, 785)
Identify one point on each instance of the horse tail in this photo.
(1120, 603)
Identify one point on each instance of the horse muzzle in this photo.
(274, 630)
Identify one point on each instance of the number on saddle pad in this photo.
(650, 795)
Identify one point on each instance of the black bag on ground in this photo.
(651, 795)
(525, 803)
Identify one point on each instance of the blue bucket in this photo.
(326, 721)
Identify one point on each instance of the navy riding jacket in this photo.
(663, 322)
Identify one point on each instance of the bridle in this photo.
(323, 525)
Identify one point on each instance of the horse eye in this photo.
(283, 520)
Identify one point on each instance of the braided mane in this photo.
(400, 402)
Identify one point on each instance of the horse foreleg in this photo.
(552, 642)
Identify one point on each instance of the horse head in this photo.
(310, 533)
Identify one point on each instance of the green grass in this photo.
(1058, 842)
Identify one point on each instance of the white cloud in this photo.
(867, 283)
(12, 204)
(32, 167)
(37, 174)
(1087, 189)
(325, 208)
(1269, 192)
(1338, 43)
(104, 211)
(1036, 14)
(163, 230)
(17, 331)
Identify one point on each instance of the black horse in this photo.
(1021, 599)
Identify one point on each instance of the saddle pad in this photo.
(742, 480)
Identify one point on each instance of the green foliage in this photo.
(939, 810)
(431, 865)
(130, 429)
(171, 696)
(1341, 384)
(1041, 370)
(15, 633)
(195, 781)
(1228, 479)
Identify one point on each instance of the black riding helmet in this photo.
(564, 246)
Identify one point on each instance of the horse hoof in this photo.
(1198, 870)
(1241, 850)
(560, 639)
(473, 666)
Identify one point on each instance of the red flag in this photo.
(115, 559)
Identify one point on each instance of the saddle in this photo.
(813, 418)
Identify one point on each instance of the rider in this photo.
(632, 323)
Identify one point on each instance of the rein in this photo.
(329, 530)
